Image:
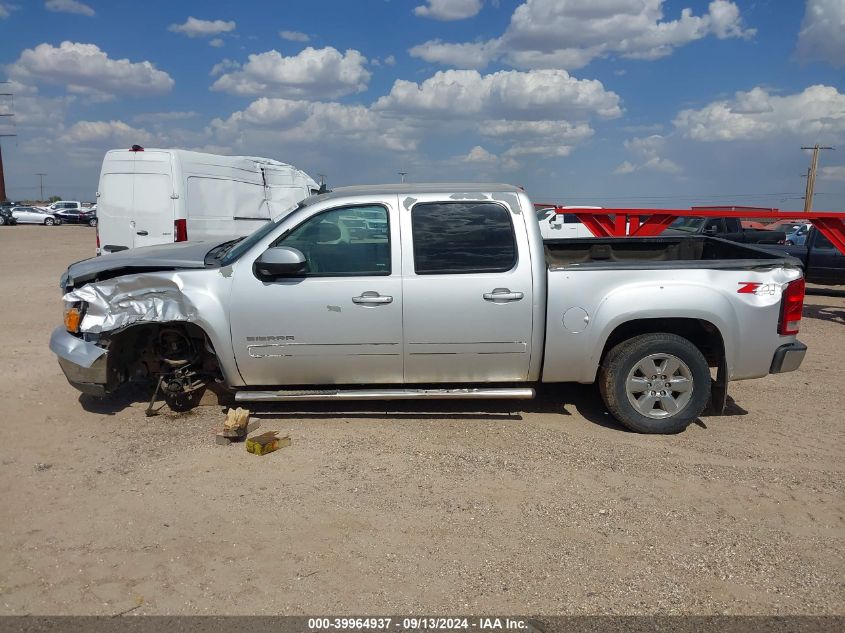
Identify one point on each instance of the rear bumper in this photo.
(84, 364)
(788, 358)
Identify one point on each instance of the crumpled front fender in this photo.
(117, 303)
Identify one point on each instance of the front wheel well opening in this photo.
(701, 333)
(148, 350)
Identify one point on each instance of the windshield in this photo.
(233, 250)
(690, 225)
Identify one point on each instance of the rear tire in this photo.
(49, 222)
(2, 220)
(92, 222)
(655, 383)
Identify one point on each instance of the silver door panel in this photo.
(456, 329)
(319, 330)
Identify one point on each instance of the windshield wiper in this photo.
(219, 252)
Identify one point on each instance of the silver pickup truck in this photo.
(434, 291)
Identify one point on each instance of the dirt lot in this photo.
(543, 507)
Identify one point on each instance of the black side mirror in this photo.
(278, 262)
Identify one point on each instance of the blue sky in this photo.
(608, 102)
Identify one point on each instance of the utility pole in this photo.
(41, 177)
(402, 174)
(2, 174)
(811, 177)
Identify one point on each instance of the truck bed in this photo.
(659, 252)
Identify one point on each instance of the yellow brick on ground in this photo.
(266, 443)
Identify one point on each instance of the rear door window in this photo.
(462, 238)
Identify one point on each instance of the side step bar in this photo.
(515, 393)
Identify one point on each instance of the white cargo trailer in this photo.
(159, 196)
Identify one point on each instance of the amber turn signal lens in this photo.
(72, 319)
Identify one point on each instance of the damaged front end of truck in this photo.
(135, 319)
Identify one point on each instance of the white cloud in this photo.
(217, 42)
(448, 10)
(836, 172)
(294, 36)
(69, 6)
(479, 157)
(102, 133)
(571, 33)
(35, 111)
(85, 69)
(647, 152)
(537, 114)
(541, 113)
(540, 138)
(223, 66)
(311, 74)
(626, 167)
(390, 60)
(538, 95)
(6, 9)
(194, 27)
(468, 55)
(725, 21)
(274, 120)
(817, 112)
(159, 117)
(822, 36)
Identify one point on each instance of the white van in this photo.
(157, 196)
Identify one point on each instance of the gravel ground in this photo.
(544, 506)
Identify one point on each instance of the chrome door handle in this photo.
(502, 294)
(372, 298)
(141, 233)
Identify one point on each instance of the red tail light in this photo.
(791, 306)
(180, 230)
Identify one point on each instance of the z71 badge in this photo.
(754, 288)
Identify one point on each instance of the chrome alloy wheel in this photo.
(659, 386)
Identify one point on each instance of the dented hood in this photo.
(184, 255)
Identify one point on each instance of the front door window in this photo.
(350, 241)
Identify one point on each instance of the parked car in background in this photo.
(79, 215)
(823, 263)
(62, 205)
(555, 225)
(798, 236)
(6, 217)
(726, 228)
(34, 215)
(786, 225)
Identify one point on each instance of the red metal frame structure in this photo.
(652, 222)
